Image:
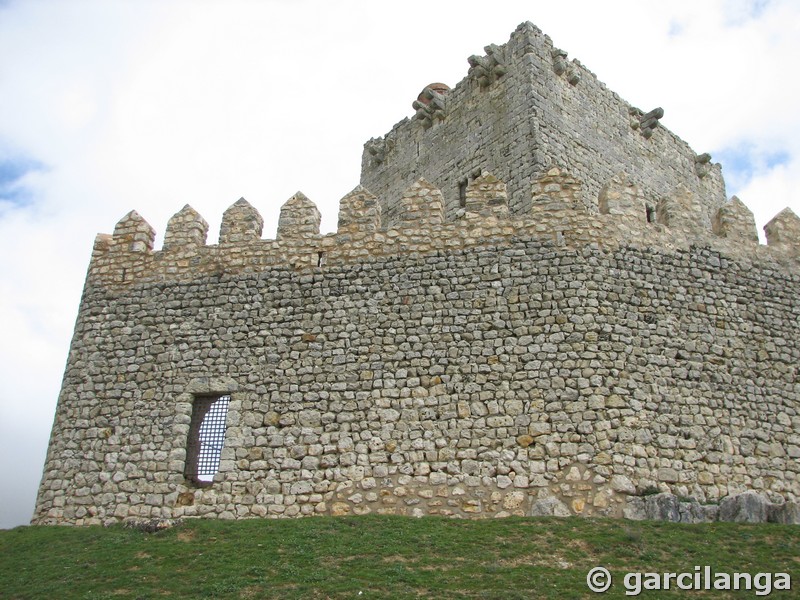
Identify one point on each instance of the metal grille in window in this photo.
(206, 437)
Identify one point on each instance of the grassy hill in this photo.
(382, 557)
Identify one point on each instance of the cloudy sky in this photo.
(107, 106)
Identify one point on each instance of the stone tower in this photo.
(537, 301)
(522, 110)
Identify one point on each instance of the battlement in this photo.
(537, 301)
(625, 215)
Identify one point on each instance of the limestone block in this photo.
(735, 221)
(549, 507)
(748, 507)
(299, 218)
(240, 223)
(186, 229)
(787, 513)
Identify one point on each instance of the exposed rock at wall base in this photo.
(550, 507)
(748, 507)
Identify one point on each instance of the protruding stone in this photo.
(783, 231)
(649, 121)
(133, 234)
(735, 221)
(359, 211)
(702, 164)
(487, 69)
(549, 507)
(299, 218)
(621, 198)
(430, 104)
(486, 196)
(559, 61)
(749, 507)
(555, 191)
(240, 223)
(186, 229)
(422, 205)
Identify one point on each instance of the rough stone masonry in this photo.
(539, 301)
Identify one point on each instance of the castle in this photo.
(538, 301)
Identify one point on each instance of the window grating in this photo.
(206, 438)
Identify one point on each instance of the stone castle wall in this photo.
(554, 362)
(523, 110)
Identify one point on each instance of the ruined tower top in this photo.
(523, 109)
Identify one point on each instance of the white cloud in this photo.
(151, 105)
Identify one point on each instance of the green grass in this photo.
(381, 557)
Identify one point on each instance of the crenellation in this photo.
(624, 201)
(486, 196)
(300, 218)
(240, 223)
(621, 214)
(535, 311)
(556, 191)
(783, 232)
(734, 220)
(422, 206)
(359, 212)
(186, 230)
(680, 211)
(133, 234)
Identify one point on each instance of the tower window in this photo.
(206, 438)
(462, 193)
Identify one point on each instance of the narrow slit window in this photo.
(462, 193)
(206, 438)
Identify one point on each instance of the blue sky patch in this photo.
(12, 170)
(738, 12)
(740, 164)
(675, 28)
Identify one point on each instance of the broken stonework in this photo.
(747, 507)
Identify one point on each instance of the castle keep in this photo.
(538, 301)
